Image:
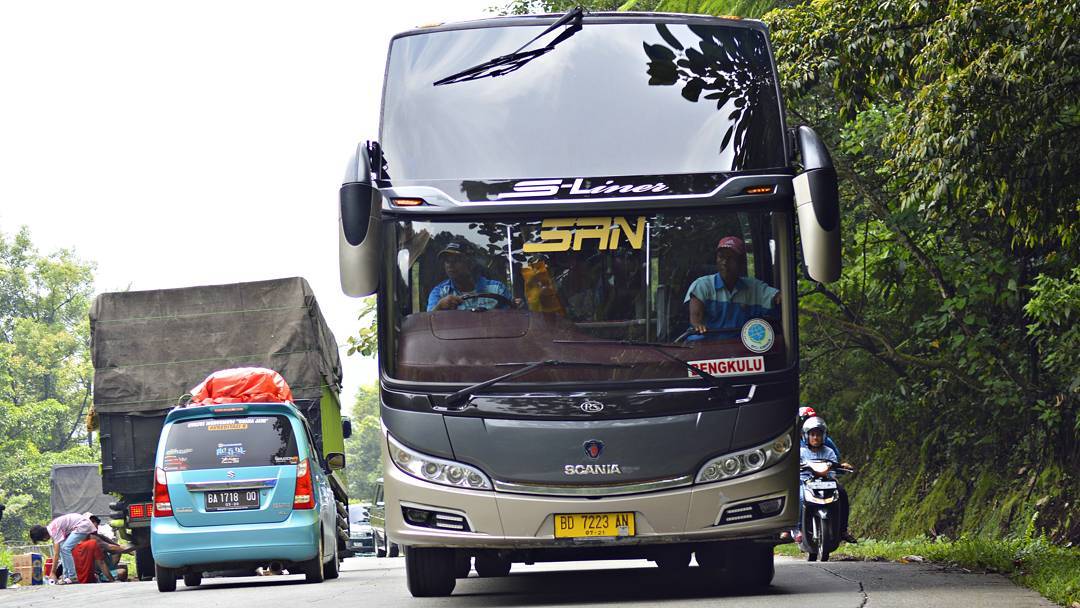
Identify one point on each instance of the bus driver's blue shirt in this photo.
(483, 285)
(727, 311)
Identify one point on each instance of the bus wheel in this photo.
(491, 565)
(462, 565)
(752, 565)
(673, 559)
(430, 572)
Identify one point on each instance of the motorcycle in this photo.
(821, 510)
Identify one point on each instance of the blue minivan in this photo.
(240, 486)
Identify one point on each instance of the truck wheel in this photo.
(394, 550)
(380, 551)
(491, 565)
(430, 572)
(144, 564)
(333, 567)
(193, 579)
(313, 568)
(166, 578)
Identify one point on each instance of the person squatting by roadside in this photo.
(97, 559)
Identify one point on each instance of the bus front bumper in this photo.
(502, 520)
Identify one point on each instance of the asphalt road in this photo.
(367, 581)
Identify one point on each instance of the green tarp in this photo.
(152, 347)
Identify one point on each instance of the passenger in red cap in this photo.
(721, 303)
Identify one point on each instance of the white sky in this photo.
(195, 142)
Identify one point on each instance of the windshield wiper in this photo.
(459, 399)
(504, 64)
(658, 347)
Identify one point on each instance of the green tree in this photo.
(949, 346)
(363, 450)
(45, 374)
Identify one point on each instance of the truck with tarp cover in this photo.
(150, 348)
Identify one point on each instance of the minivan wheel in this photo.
(193, 579)
(430, 572)
(313, 568)
(333, 567)
(166, 578)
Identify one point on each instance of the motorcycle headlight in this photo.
(436, 470)
(746, 461)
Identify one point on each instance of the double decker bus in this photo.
(582, 232)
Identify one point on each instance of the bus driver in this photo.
(463, 279)
(721, 303)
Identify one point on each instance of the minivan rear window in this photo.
(215, 443)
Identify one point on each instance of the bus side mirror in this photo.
(817, 201)
(358, 227)
(346, 428)
(335, 461)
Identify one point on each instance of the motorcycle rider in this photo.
(805, 413)
(814, 435)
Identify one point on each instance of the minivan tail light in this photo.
(304, 498)
(162, 504)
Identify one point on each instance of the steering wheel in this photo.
(686, 334)
(498, 297)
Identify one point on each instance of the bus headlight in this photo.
(745, 462)
(436, 470)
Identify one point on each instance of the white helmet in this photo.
(813, 423)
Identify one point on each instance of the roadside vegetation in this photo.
(45, 376)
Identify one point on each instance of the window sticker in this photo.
(230, 449)
(235, 426)
(175, 463)
(604, 233)
(230, 460)
(178, 451)
(286, 459)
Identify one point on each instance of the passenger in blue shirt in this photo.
(721, 303)
(462, 280)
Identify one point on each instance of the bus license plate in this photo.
(593, 525)
(232, 500)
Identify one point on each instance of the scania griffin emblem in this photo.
(591, 407)
(593, 448)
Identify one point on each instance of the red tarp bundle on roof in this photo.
(242, 385)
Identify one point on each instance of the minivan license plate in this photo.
(232, 500)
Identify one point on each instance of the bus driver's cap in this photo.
(732, 242)
(455, 247)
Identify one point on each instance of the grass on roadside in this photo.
(1051, 570)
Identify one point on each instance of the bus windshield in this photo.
(610, 99)
(473, 300)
